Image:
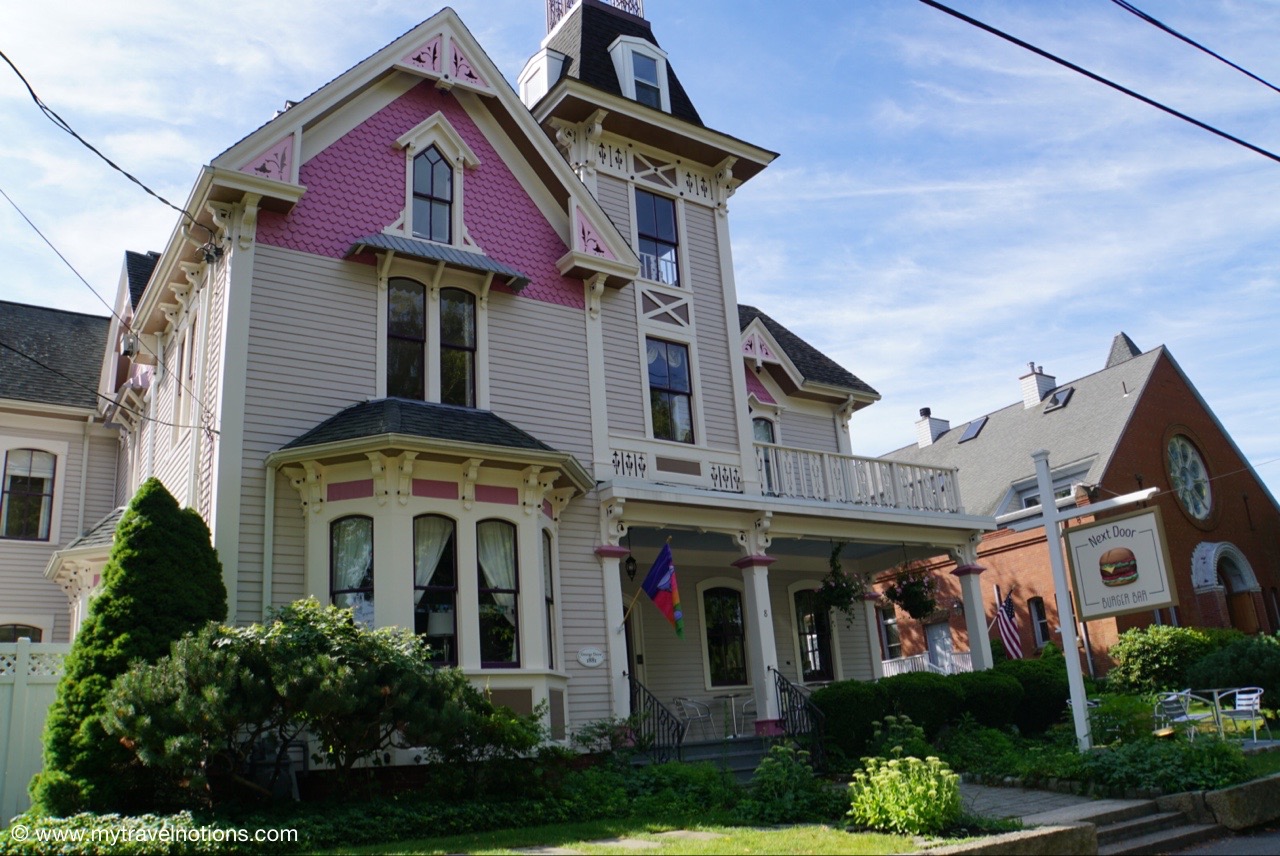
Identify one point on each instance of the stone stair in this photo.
(1143, 828)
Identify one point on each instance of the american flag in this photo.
(1008, 622)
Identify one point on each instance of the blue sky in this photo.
(946, 207)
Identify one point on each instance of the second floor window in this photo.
(406, 339)
(457, 347)
(26, 496)
(433, 196)
(657, 237)
(670, 390)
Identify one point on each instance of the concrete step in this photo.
(1139, 826)
(1165, 840)
(1098, 812)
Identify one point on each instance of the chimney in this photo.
(929, 429)
(1036, 385)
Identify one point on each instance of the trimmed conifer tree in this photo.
(163, 579)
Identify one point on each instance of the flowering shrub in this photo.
(841, 591)
(905, 795)
(915, 590)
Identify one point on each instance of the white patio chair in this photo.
(1173, 709)
(1247, 707)
(689, 712)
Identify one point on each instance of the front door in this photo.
(940, 644)
(635, 646)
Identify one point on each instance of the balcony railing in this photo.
(806, 474)
(941, 664)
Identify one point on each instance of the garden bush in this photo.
(1157, 658)
(931, 701)
(784, 789)
(1169, 766)
(162, 579)
(898, 736)
(1253, 661)
(1120, 718)
(992, 697)
(850, 708)
(206, 707)
(1045, 691)
(908, 796)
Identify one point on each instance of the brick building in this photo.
(1138, 423)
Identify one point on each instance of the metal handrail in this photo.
(802, 721)
(658, 732)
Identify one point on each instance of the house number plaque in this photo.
(591, 657)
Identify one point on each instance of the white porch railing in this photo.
(948, 664)
(830, 477)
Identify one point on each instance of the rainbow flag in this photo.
(660, 585)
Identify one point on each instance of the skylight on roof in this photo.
(1059, 398)
(975, 427)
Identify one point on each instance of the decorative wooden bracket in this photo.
(434, 287)
(470, 473)
(404, 489)
(595, 288)
(249, 220)
(314, 486)
(755, 541)
(612, 527)
(378, 466)
(484, 290)
(559, 499)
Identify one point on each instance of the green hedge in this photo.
(1044, 688)
(850, 707)
(1156, 658)
(992, 697)
(932, 701)
(1253, 661)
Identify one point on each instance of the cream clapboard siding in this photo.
(624, 384)
(288, 572)
(716, 359)
(211, 391)
(22, 563)
(127, 459)
(614, 196)
(312, 348)
(809, 431)
(581, 606)
(172, 459)
(538, 372)
(100, 497)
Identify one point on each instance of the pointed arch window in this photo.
(433, 196)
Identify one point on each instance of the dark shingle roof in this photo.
(71, 344)
(812, 363)
(1084, 432)
(138, 267)
(1122, 348)
(414, 248)
(584, 37)
(101, 534)
(419, 419)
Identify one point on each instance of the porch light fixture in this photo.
(629, 563)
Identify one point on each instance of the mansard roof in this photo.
(814, 365)
(138, 268)
(71, 344)
(584, 36)
(424, 419)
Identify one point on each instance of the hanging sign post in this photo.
(1053, 520)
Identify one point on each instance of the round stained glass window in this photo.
(1190, 477)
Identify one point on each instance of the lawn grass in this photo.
(814, 838)
(1263, 764)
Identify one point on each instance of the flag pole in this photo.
(998, 602)
(630, 606)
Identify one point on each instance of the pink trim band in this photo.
(608, 551)
(755, 561)
(968, 570)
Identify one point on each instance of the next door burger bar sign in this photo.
(1120, 565)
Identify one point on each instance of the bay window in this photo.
(351, 566)
(435, 585)
(498, 588)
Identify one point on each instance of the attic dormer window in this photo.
(642, 71)
(433, 196)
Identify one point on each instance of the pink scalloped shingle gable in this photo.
(355, 187)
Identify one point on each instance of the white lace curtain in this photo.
(496, 546)
(430, 536)
(353, 564)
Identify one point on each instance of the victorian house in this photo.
(464, 359)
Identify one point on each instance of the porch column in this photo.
(870, 601)
(975, 615)
(610, 556)
(762, 650)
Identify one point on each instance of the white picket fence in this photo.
(29, 674)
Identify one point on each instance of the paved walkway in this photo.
(1035, 808)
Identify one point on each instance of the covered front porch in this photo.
(756, 638)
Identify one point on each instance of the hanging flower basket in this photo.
(916, 591)
(840, 591)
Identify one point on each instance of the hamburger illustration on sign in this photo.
(1118, 567)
